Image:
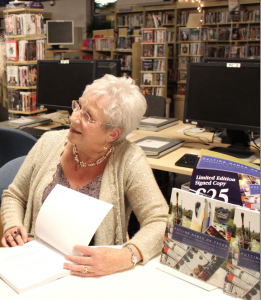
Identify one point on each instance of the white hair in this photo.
(124, 103)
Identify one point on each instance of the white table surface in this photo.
(141, 282)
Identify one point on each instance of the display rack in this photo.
(24, 37)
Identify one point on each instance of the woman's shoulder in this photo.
(54, 137)
(127, 149)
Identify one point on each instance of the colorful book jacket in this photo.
(227, 179)
(215, 242)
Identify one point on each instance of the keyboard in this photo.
(37, 133)
(187, 161)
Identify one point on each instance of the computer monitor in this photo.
(109, 66)
(60, 82)
(225, 96)
(59, 32)
(230, 60)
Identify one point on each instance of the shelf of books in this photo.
(127, 49)
(154, 62)
(24, 35)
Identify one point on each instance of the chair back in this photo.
(7, 175)
(156, 106)
(14, 143)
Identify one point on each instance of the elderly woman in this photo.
(94, 158)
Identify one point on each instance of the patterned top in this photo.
(92, 189)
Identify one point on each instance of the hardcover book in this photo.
(11, 50)
(147, 64)
(147, 36)
(10, 25)
(156, 147)
(12, 75)
(14, 100)
(184, 34)
(157, 20)
(147, 79)
(157, 123)
(148, 50)
(186, 248)
(184, 49)
(30, 50)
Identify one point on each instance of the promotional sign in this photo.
(226, 178)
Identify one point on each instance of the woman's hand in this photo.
(14, 239)
(100, 261)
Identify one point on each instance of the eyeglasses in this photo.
(84, 115)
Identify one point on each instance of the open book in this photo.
(67, 218)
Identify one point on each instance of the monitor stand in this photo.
(240, 145)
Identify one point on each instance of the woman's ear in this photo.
(114, 134)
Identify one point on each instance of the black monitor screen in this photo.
(59, 83)
(110, 66)
(223, 95)
(60, 32)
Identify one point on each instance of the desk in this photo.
(141, 283)
(167, 162)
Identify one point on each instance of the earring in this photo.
(105, 148)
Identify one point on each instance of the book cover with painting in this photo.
(186, 248)
(243, 266)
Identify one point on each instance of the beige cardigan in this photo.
(127, 183)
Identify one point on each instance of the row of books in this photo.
(87, 44)
(103, 44)
(21, 75)
(183, 60)
(24, 50)
(221, 34)
(150, 50)
(226, 16)
(192, 49)
(24, 24)
(126, 60)
(130, 20)
(182, 19)
(154, 36)
(159, 19)
(153, 65)
(22, 101)
(153, 79)
(155, 91)
(245, 51)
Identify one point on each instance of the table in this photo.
(192, 145)
(167, 162)
(140, 283)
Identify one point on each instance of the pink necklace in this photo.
(83, 164)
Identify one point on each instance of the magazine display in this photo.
(214, 242)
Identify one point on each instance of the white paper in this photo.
(68, 218)
(130, 135)
(153, 120)
(31, 265)
(152, 143)
(182, 129)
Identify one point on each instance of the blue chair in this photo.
(14, 143)
(7, 175)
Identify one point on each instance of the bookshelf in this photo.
(217, 34)
(24, 46)
(154, 62)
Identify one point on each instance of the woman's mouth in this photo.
(73, 130)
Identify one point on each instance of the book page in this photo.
(68, 218)
(31, 265)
